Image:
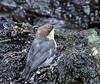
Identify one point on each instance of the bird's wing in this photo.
(41, 52)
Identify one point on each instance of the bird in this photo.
(42, 51)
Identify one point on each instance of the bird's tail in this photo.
(26, 73)
(24, 76)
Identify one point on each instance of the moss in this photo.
(94, 42)
(93, 37)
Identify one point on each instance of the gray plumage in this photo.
(41, 53)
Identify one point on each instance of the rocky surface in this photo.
(78, 52)
(78, 57)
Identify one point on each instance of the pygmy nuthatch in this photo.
(42, 51)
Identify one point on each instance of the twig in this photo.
(6, 40)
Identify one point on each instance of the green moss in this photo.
(93, 37)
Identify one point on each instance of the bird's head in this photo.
(46, 30)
